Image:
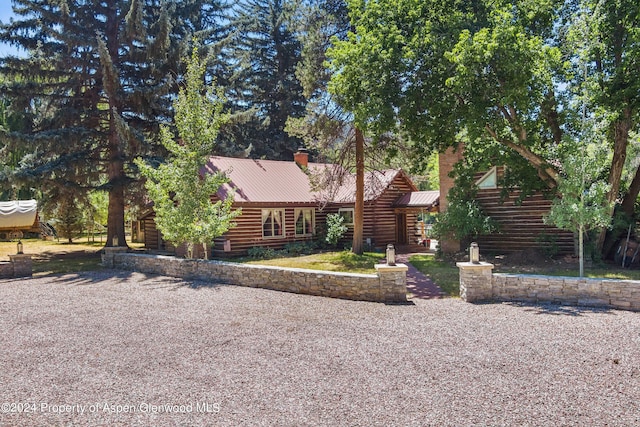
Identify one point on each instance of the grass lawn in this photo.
(328, 261)
(607, 271)
(52, 257)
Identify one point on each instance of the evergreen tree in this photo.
(96, 82)
(263, 89)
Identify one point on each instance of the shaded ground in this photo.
(113, 341)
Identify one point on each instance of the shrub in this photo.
(300, 248)
(464, 219)
(335, 229)
(261, 252)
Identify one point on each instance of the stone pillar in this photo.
(475, 281)
(22, 265)
(110, 253)
(393, 282)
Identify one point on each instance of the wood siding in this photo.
(521, 226)
(152, 239)
(248, 232)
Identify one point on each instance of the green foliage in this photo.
(98, 206)
(290, 249)
(261, 54)
(301, 248)
(582, 204)
(501, 77)
(68, 218)
(463, 220)
(335, 229)
(262, 252)
(95, 80)
(180, 189)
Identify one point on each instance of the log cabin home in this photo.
(283, 202)
(520, 223)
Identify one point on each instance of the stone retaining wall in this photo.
(6, 270)
(478, 284)
(19, 265)
(388, 285)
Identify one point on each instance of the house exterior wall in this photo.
(380, 218)
(248, 232)
(521, 223)
(380, 221)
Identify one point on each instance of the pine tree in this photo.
(263, 89)
(96, 83)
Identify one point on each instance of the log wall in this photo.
(248, 232)
(521, 225)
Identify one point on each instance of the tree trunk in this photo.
(358, 215)
(621, 128)
(629, 201)
(115, 163)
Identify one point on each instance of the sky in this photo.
(5, 15)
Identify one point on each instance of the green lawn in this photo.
(600, 272)
(328, 261)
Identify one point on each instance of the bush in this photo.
(335, 229)
(464, 219)
(300, 248)
(261, 252)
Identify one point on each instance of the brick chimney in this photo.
(446, 162)
(301, 157)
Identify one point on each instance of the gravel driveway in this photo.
(119, 348)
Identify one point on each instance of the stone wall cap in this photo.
(390, 268)
(474, 265)
(116, 249)
(19, 256)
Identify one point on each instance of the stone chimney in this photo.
(301, 157)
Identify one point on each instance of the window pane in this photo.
(308, 221)
(277, 225)
(300, 223)
(347, 214)
(267, 223)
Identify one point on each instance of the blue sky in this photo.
(5, 15)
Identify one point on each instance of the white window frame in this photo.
(350, 210)
(301, 211)
(491, 175)
(282, 226)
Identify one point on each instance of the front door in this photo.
(401, 229)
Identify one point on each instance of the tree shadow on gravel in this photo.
(560, 310)
(96, 277)
(146, 280)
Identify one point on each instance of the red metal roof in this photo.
(275, 181)
(418, 199)
(375, 182)
(263, 180)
